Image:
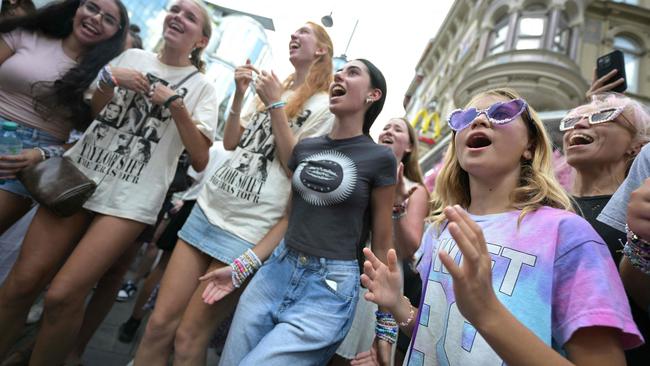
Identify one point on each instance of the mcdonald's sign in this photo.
(422, 122)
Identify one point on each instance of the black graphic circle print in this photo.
(326, 178)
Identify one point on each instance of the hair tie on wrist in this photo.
(171, 99)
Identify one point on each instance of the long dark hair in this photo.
(377, 81)
(63, 98)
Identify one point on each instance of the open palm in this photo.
(382, 281)
(219, 285)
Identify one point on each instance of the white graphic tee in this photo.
(132, 148)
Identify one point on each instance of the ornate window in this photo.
(632, 53)
(530, 30)
(499, 36)
(562, 37)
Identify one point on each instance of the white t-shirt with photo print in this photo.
(247, 195)
(132, 148)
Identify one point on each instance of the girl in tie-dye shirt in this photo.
(536, 284)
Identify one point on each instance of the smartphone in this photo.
(609, 62)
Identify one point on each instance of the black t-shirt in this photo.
(591, 208)
(331, 189)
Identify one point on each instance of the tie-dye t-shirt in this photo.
(553, 273)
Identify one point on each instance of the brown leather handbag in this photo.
(57, 184)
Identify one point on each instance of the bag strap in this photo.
(188, 77)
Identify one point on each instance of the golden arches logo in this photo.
(423, 120)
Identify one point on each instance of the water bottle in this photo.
(10, 144)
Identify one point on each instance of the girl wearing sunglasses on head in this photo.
(509, 273)
(601, 140)
(73, 253)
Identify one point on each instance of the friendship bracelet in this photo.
(42, 152)
(399, 210)
(244, 266)
(106, 76)
(54, 150)
(411, 314)
(638, 251)
(276, 105)
(233, 112)
(386, 327)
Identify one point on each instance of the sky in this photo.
(393, 38)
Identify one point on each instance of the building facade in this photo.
(544, 49)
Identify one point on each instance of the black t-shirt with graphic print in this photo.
(331, 187)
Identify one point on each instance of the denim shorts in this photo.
(30, 138)
(211, 239)
(295, 311)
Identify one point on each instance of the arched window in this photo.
(561, 39)
(499, 36)
(530, 30)
(632, 53)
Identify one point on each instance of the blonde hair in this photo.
(195, 55)
(318, 79)
(537, 185)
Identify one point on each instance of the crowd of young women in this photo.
(278, 228)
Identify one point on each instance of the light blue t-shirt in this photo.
(615, 213)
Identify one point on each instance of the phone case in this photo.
(609, 62)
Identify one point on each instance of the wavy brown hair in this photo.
(411, 159)
(537, 184)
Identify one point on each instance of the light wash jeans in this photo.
(296, 311)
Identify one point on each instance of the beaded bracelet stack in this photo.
(399, 210)
(106, 77)
(386, 327)
(638, 251)
(244, 266)
(276, 105)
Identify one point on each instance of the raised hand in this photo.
(219, 286)
(601, 85)
(131, 79)
(244, 77)
(401, 193)
(383, 282)
(269, 88)
(473, 279)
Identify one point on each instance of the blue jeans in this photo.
(295, 311)
(30, 138)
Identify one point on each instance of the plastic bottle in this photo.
(10, 144)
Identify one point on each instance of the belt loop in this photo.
(34, 134)
(323, 264)
(284, 252)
